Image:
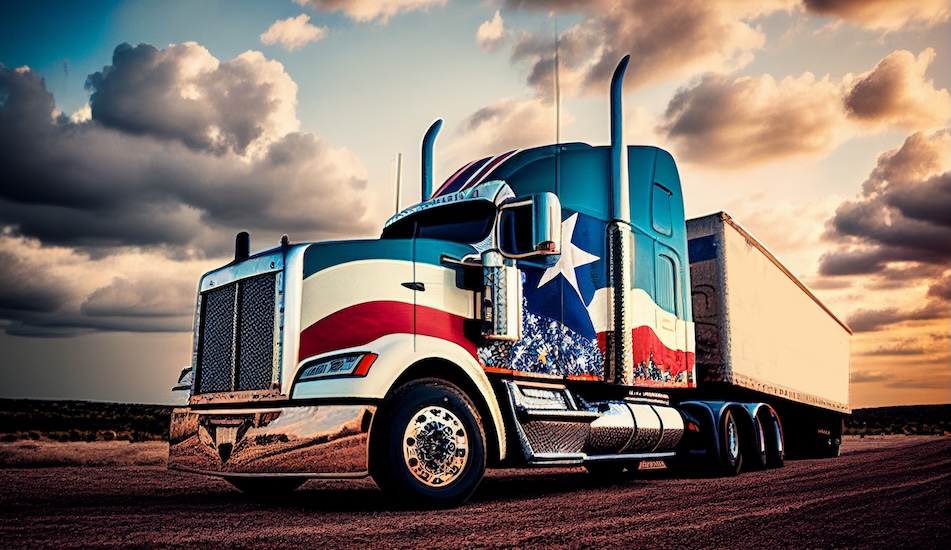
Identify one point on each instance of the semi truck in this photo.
(542, 307)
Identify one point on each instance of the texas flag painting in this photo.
(559, 337)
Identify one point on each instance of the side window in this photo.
(660, 210)
(666, 281)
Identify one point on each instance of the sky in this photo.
(137, 137)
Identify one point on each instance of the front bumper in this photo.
(308, 441)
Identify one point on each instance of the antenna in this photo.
(399, 179)
(557, 90)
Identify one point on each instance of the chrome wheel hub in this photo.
(733, 442)
(435, 446)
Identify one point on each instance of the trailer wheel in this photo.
(775, 446)
(731, 452)
(428, 449)
(265, 486)
(759, 446)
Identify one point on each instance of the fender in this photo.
(397, 355)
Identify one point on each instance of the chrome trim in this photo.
(631, 456)
(235, 397)
(257, 265)
(307, 441)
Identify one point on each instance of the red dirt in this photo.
(881, 493)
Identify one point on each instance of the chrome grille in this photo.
(236, 343)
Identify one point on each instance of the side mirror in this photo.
(530, 227)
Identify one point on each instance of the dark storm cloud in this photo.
(23, 290)
(901, 215)
(668, 39)
(127, 181)
(182, 151)
(898, 231)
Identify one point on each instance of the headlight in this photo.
(355, 364)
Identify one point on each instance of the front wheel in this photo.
(428, 445)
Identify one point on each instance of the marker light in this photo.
(356, 364)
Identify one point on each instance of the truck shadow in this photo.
(498, 486)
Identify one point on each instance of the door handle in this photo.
(413, 285)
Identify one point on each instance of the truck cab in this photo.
(535, 310)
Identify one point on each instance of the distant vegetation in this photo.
(908, 420)
(82, 421)
(94, 421)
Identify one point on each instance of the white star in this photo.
(571, 258)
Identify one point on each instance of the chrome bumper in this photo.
(308, 441)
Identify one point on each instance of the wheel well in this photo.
(452, 373)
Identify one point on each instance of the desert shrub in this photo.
(109, 435)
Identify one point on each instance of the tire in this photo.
(731, 448)
(266, 486)
(775, 446)
(428, 446)
(759, 446)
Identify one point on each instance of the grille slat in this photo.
(237, 336)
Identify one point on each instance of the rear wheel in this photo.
(428, 445)
(759, 446)
(775, 447)
(731, 453)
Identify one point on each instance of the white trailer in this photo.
(759, 328)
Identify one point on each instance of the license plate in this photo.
(652, 465)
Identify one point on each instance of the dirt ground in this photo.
(883, 492)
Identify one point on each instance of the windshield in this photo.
(464, 222)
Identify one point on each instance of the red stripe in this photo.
(643, 342)
(354, 326)
(360, 324)
(480, 175)
(449, 181)
(674, 361)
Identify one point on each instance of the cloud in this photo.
(867, 320)
(48, 290)
(506, 124)
(736, 122)
(293, 33)
(902, 213)
(883, 14)
(364, 11)
(668, 39)
(897, 232)
(183, 93)
(491, 33)
(897, 349)
(862, 377)
(895, 92)
(181, 151)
